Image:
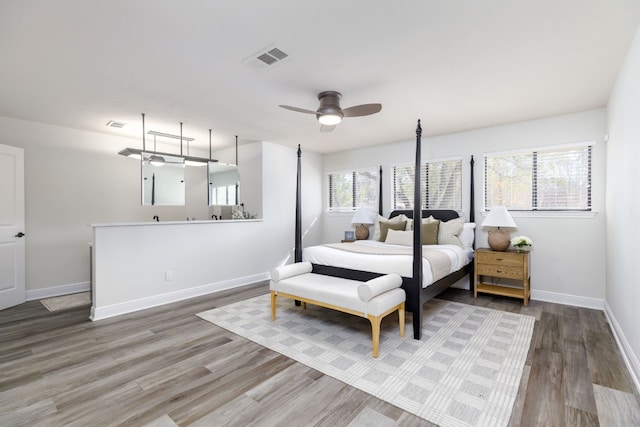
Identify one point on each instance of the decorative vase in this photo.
(499, 240)
(362, 232)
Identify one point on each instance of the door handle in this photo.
(20, 234)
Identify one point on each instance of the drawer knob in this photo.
(499, 259)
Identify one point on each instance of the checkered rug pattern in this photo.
(465, 371)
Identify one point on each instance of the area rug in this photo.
(465, 371)
(67, 301)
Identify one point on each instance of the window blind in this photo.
(349, 190)
(441, 186)
(548, 180)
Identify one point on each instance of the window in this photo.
(441, 185)
(224, 195)
(350, 190)
(552, 179)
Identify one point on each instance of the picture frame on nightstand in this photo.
(349, 235)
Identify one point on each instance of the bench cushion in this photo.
(338, 292)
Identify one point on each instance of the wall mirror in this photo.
(224, 184)
(162, 180)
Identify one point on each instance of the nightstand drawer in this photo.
(506, 271)
(500, 258)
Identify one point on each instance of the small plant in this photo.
(521, 242)
(240, 214)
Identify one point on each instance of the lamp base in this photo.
(499, 240)
(362, 232)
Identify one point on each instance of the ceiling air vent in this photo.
(266, 58)
(114, 124)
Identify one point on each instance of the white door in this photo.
(12, 287)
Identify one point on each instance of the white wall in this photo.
(623, 206)
(75, 178)
(568, 259)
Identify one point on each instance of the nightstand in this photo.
(507, 265)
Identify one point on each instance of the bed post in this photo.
(415, 290)
(297, 257)
(472, 216)
(380, 191)
(472, 201)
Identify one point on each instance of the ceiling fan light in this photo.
(329, 119)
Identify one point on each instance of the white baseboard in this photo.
(547, 296)
(630, 359)
(56, 291)
(100, 313)
(567, 299)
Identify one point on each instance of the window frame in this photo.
(535, 210)
(354, 187)
(226, 192)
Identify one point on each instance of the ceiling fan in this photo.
(329, 113)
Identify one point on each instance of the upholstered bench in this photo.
(372, 300)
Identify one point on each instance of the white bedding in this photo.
(384, 264)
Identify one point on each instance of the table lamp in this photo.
(363, 218)
(499, 239)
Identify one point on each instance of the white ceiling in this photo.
(457, 64)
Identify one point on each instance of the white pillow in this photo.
(379, 218)
(449, 231)
(396, 237)
(468, 234)
(374, 287)
(290, 270)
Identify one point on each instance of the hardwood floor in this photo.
(167, 367)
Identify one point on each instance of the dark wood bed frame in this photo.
(416, 294)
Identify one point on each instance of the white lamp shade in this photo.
(499, 216)
(363, 216)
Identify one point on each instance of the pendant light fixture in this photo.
(190, 160)
(154, 159)
(157, 158)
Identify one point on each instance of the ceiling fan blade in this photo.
(362, 110)
(327, 128)
(299, 110)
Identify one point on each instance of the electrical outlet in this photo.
(168, 275)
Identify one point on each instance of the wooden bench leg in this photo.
(273, 305)
(375, 328)
(375, 333)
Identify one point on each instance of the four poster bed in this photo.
(426, 270)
